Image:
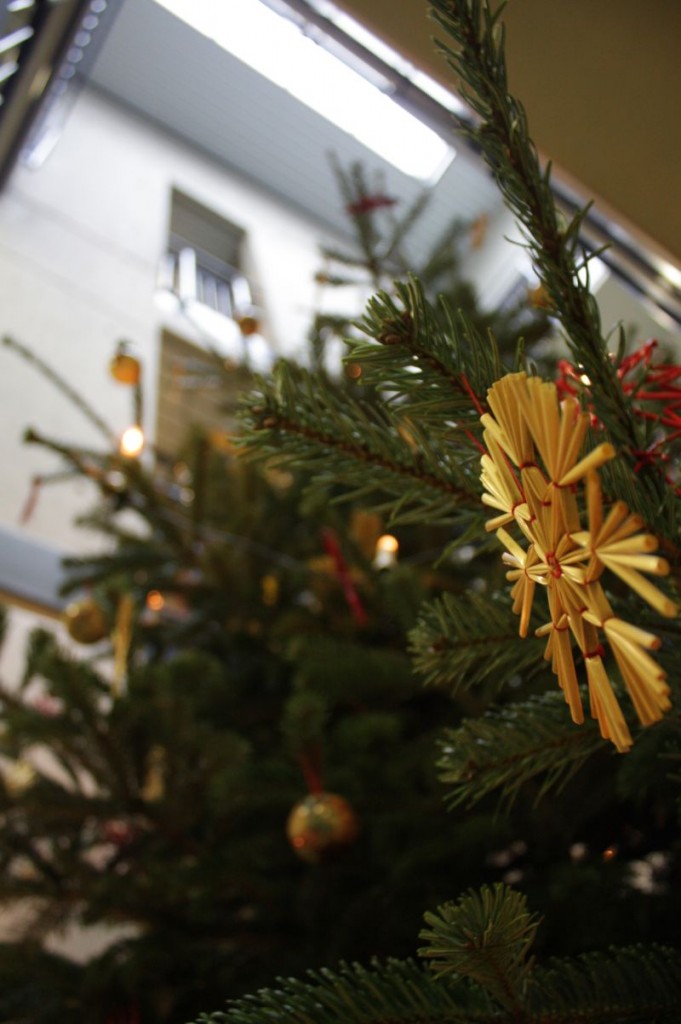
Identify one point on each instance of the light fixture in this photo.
(669, 272)
(357, 101)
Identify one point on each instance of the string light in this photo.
(132, 441)
(385, 554)
(155, 600)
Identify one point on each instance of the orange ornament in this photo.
(125, 368)
(321, 826)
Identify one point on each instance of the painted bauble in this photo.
(125, 368)
(85, 621)
(321, 826)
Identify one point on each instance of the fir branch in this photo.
(634, 985)
(443, 371)
(148, 502)
(300, 419)
(486, 941)
(81, 689)
(485, 936)
(399, 992)
(508, 746)
(463, 640)
(403, 227)
(354, 187)
(478, 59)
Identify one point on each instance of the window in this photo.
(202, 264)
(201, 278)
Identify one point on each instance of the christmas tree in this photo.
(249, 658)
(571, 476)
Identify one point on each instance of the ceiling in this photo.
(181, 80)
(600, 82)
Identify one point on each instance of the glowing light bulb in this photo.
(132, 441)
(385, 554)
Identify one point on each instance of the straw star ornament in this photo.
(531, 473)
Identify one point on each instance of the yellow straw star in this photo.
(530, 475)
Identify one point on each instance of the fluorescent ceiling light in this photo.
(669, 272)
(278, 49)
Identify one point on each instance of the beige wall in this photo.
(80, 243)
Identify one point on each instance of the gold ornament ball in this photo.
(125, 368)
(320, 826)
(85, 621)
(248, 325)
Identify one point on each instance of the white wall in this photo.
(80, 242)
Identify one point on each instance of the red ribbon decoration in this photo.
(332, 548)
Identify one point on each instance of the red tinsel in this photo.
(655, 394)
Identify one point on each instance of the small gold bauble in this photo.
(85, 621)
(320, 826)
(248, 325)
(125, 368)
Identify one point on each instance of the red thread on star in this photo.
(655, 395)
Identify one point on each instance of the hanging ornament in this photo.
(85, 621)
(122, 638)
(125, 367)
(321, 826)
(531, 473)
(248, 324)
(18, 777)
